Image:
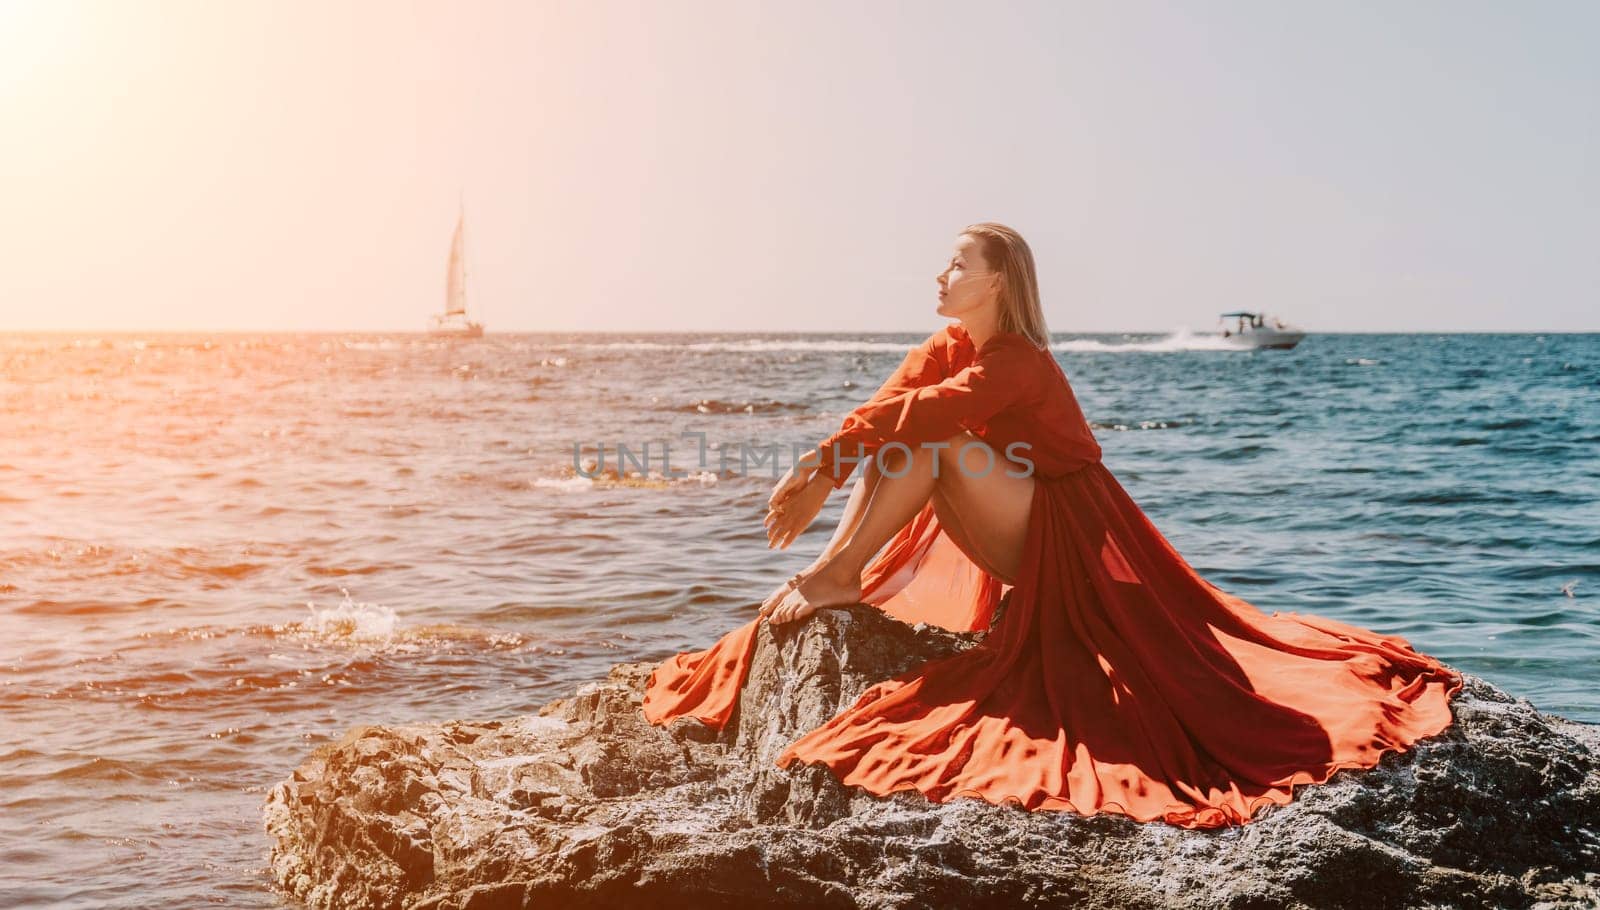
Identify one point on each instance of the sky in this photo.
(766, 166)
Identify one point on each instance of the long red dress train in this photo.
(1117, 679)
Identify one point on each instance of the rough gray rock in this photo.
(587, 805)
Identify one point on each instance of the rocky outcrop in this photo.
(587, 805)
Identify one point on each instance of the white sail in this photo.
(453, 322)
(455, 290)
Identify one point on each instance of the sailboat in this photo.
(453, 322)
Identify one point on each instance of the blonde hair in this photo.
(1007, 253)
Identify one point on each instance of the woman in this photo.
(1116, 679)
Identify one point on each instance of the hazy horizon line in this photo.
(487, 333)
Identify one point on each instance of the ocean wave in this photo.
(610, 476)
(717, 406)
(1457, 496)
(78, 608)
(351, 646)
(353, 624)
(1245, 452)
(372, 626)
(1141, 425)
(85, 559)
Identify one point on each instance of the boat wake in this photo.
(1180, 340)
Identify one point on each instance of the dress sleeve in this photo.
(1002, 375)
(922, 365)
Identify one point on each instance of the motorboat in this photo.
(1259, 330)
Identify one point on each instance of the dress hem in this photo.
(1280, 792)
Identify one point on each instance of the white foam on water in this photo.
(351, 621)
(1180, 340)
(575, 482)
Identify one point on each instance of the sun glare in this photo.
(36, 36)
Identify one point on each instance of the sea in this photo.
(220, 551)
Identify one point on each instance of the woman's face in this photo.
(966, 284)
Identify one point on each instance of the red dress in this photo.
(1117, 679)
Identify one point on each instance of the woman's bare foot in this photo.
(824, 587)
(777, 596)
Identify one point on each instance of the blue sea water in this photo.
(219, 551)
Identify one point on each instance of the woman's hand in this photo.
(795, 502)
(796, 479)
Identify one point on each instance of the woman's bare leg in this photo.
(987, 518)
(854, 508)
(974, 506)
